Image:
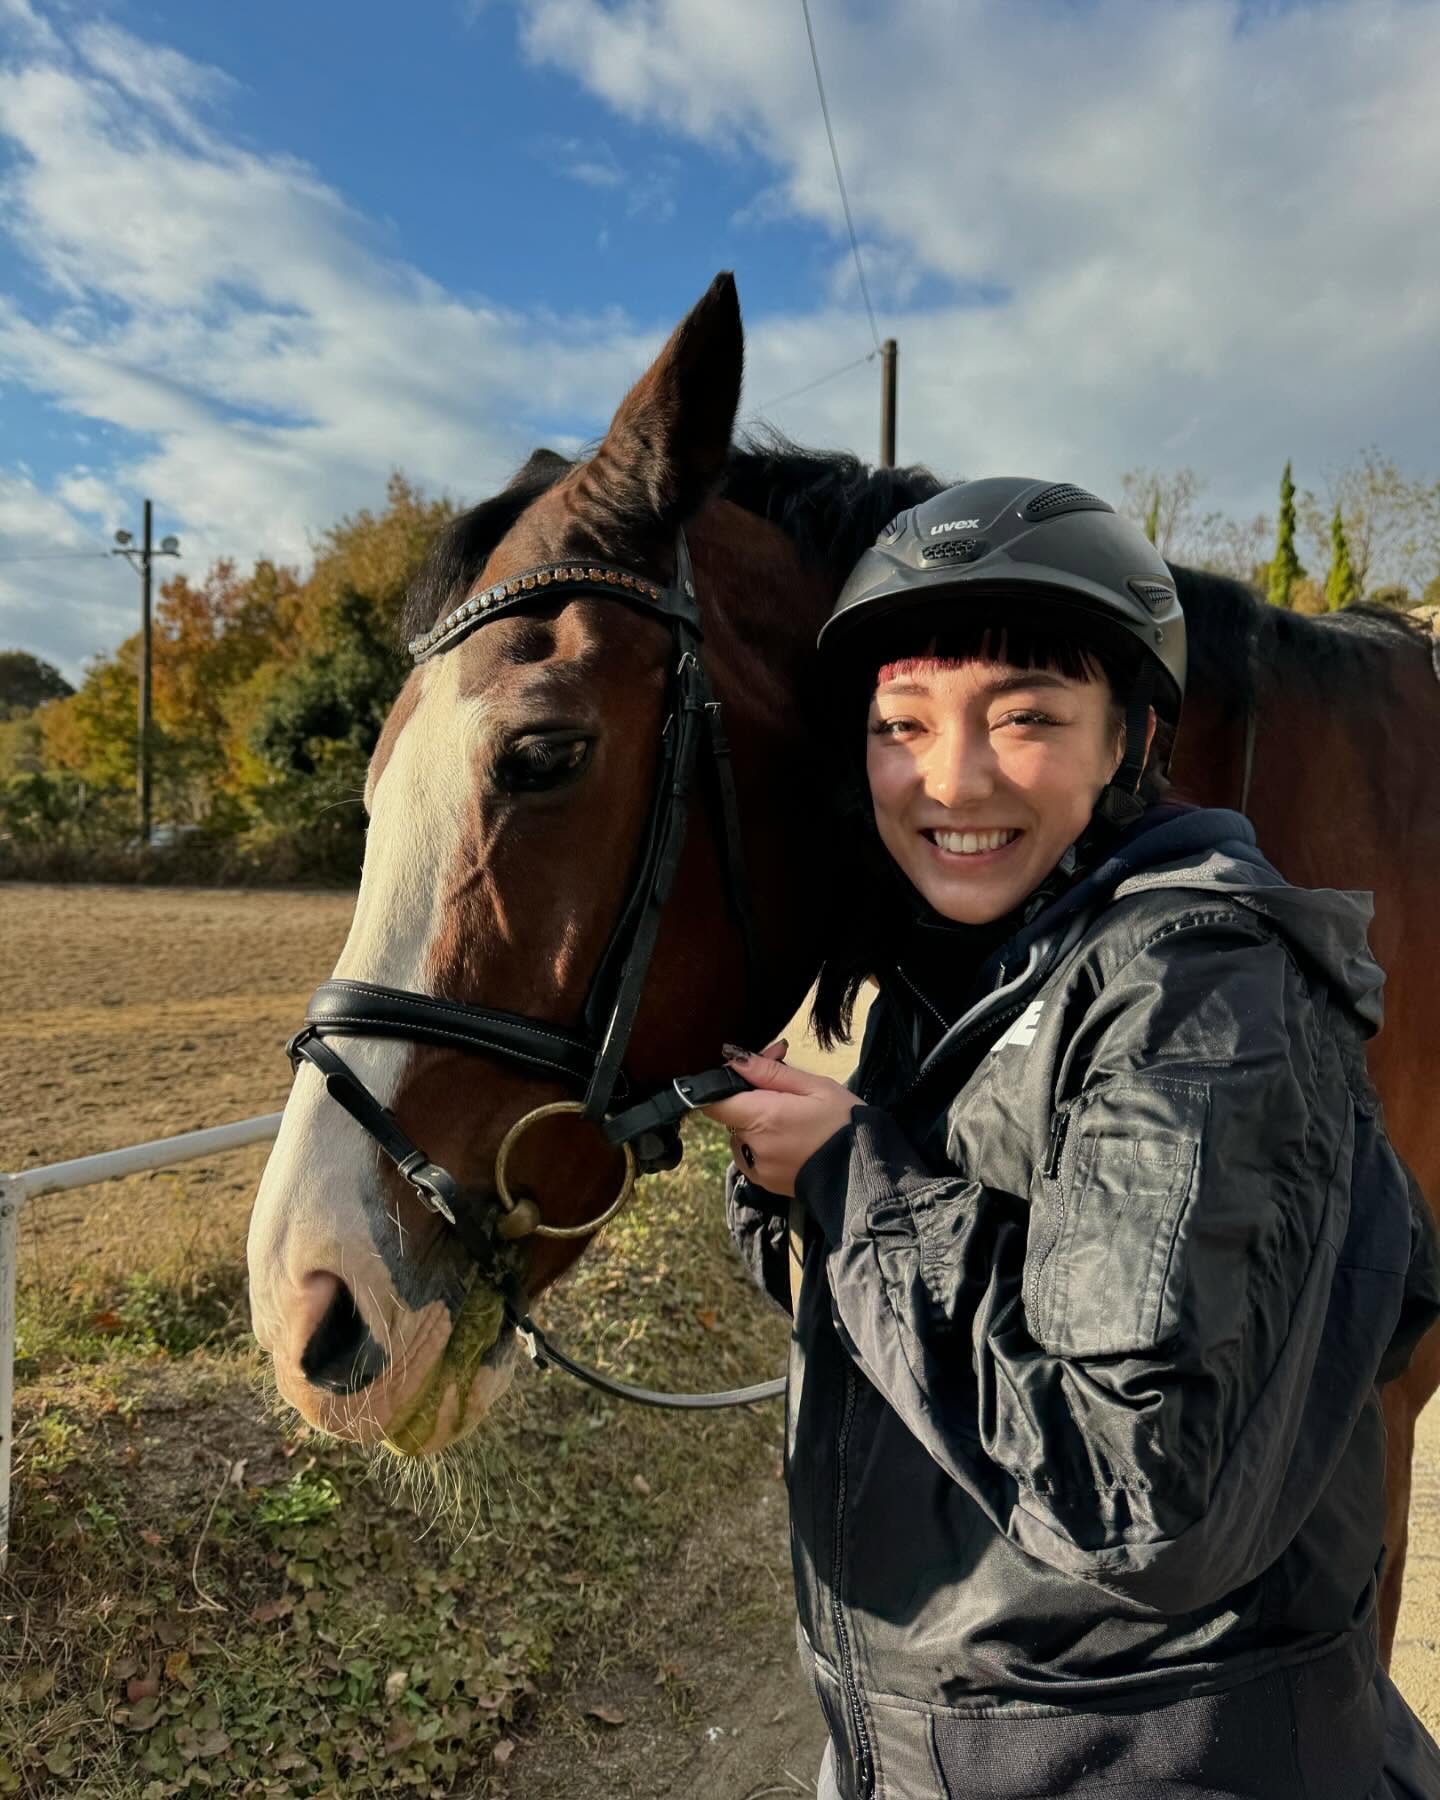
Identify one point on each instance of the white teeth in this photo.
(972, 843)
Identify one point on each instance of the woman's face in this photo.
(982, 775)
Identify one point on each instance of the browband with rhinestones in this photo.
(601, 577)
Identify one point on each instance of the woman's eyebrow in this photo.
(1002, 684)
(1030, 678)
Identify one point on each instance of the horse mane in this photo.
(833, 506)
(830, 503)
(1235, 638)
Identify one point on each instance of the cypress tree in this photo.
(1341, 586)
(1285, 569)
(1152, 518)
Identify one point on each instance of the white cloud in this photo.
(229, 312)
(1104, 234)
(1211, 226)
(50, 562)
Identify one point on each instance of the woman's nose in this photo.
(962, 768)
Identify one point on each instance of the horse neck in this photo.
(763, 607)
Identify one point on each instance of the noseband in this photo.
(643, 1126)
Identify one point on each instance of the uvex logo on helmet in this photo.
(954, 525)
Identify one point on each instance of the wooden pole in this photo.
(889, 401)
(142, 771)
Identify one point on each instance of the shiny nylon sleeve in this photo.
(1118, 1364)
(758, 1223)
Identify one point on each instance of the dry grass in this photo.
(202, 1594)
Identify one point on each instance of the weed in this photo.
(305, 1499)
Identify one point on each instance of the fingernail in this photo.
(784, 1046)
(734, 1053)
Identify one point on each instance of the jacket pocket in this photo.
(1106, 1279)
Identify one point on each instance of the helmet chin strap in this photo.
(1120, 805)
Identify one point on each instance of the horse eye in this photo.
(534, 763)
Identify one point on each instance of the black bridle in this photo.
(645, 1128)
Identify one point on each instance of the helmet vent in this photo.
(1062, 498)
(955, 550)
(1155, 595)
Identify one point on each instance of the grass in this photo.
(205, 1596)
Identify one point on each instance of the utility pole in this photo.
(142, 558)
(889, 401)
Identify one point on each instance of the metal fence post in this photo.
(12, 1192)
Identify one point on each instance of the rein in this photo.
(645, 1128)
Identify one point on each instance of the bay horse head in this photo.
(510, 798)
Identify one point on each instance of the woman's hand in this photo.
(779, 1127)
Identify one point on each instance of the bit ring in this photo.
(511, 1201)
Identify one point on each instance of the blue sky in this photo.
(253, 258)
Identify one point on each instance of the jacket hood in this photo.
(1213, 851)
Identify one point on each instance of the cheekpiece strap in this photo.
(615, 583)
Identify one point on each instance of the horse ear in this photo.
(667, 446)
(539, 463)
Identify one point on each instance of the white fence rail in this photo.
(55, 1178)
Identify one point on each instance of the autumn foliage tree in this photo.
(268, 692)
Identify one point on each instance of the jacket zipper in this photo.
(842, 1635)
(924, 999)
(1056, 1147)
(986, 1027)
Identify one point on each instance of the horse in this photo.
(511, 797)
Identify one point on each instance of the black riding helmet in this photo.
(1049, 555)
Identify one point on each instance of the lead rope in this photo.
(544, 1355)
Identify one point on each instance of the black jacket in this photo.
(1085, 1457)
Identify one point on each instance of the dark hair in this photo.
(874, 905)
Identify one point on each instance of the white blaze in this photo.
(323, 1160)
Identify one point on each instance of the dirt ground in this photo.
(135, 1013)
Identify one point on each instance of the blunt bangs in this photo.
(1054, 652)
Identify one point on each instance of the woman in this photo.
(1097, 1267)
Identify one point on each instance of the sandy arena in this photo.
(136, 1013)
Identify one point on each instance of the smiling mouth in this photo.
(971, 843)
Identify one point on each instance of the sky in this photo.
(253, 259)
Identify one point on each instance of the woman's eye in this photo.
(1029, 718)
(535, 763)
(892, 728)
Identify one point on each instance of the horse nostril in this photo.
(341, 1356)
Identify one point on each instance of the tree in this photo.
(27, 682)
(338, 694)
(1163, 506)
(1392, 522)
(1285, 566)
(1341, 587)
(91, 733)
(1227, 546)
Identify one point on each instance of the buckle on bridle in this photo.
(434, 1185)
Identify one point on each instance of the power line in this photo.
(839, 176)
(805, 387)
(54, 556)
